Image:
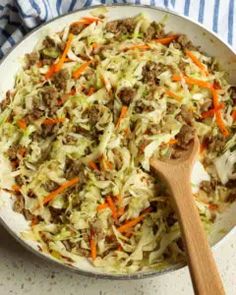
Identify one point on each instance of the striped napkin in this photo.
(17, 17)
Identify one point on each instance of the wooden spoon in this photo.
(177, 173)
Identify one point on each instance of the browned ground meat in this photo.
(93, 113)
(124, 26)
(48, 42)
(182, 42)
(233, 94)
(18, 205)
(31, 59)
(126, 95)
(28, 215)
(60, 79)
(76, 28)
(232, 196)
(151, 71)
(185, 115)
(12, 152)
(216, 143)
(19, 180)
(155, 30)
(50, 185)
(185, 136)
(5, 102)
(207, 186)
(68, 245)
(56, 214)
(171, 219)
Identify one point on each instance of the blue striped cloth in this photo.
(17, 17)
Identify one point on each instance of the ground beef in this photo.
(171, 219)
(93, 113)
(233, 94)
(18, 205)
(34, 115)
(97, 228)
(140, 107)
(50, 185)
(74, 168)
(56, 214)
(124, 26)
(12, 152)
(185, 115)
(155, 30)
(19, 180)
(60, 79)
(216, 143)
(48, 42)
(126, 95)
(182, 42)
(76, 28)
(49, 130)
(31, 194)
(68, 245)
(232, 196)
(231, 183)
(5, 102)
(31, 59)
(28, 215)
(185, 136)
(49, 96)
(151, 71)
(207, 186)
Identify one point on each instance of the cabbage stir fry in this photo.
(90, 106)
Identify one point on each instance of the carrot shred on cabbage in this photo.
(112, 207)
(77, 73)
(192, 81)
(92, 165)
(93, 247)
(173, 95)
(197, 62)
(123, 112)
(60, 189)
(52, 121)
(102, 207)
(166, 40)
(22, 124)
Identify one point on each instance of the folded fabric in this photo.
(17, 17)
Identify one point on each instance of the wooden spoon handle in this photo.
(203, 270)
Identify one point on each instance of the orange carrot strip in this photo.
(93, 247)
(213, 207)
(193, 81)
(60, 189)
(102, 207)
(22, 124)
(197, 62)
(105, 164)
(95, 45)
(15, 188)
(86, 20)
(91, 91)
(112, 207)
(61, 61)
(167, 40)
(211, 112)
(219, 119)
(234, 115)
(77, 73)
(172, 141)
(50, 72)
(92, 165)
(123, 112)
(138, 46)
(52, 121)
(131, 223)
(173, 95)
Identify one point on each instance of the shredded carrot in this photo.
(213, 207)
(52, 121)
(106, 82)
(197, 62)
(61, 61)
(172, 141)
(67, 59)
(91, 91)
(22, 151)
(77, 73)
(173, 95)
(128, 234)
(105, 164)
(192, 81)
(87, 20)
(131, 223)
(123, 112)
(95, 45)
(15, 188)
(60, 189)
(138, 46)
(22, 124)
(202, 148)
(102, 207)
(34, 220)
(211, 112)
(92, 165)
(112, 207)
(93, 247)
(234, 115)
(119, 248)
(167, 40)
(57, 66)
(219, 119)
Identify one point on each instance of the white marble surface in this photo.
(23, 273)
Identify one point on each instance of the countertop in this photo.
(23, 273)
